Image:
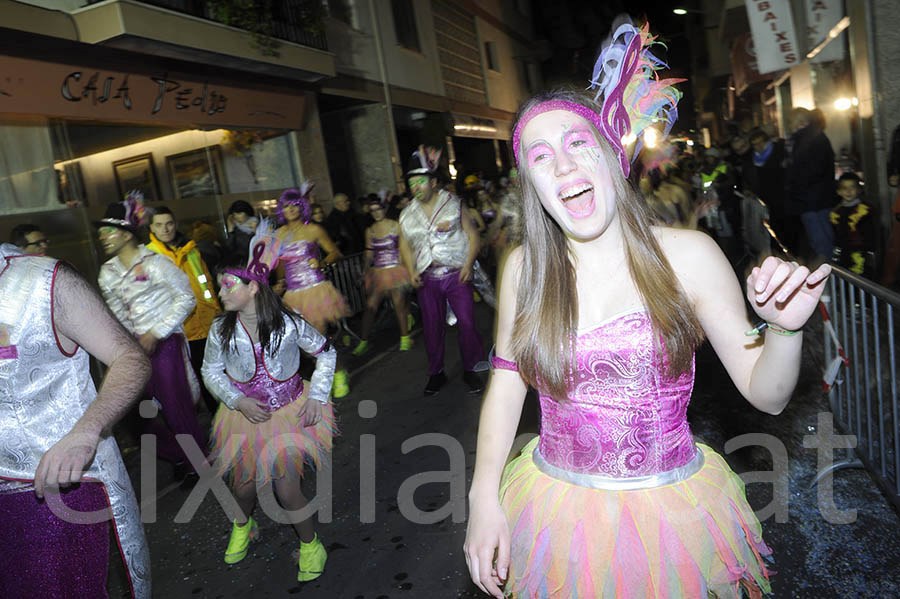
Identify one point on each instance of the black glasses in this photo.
(44, 241)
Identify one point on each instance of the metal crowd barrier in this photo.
(346, 275)
(865, 400)
(864, 396)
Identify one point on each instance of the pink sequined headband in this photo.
(548, 106)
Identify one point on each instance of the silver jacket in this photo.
(440, 240)
(239, 363)
(43, 393)
(150, 295)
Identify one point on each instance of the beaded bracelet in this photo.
(775, 329)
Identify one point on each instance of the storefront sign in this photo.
(743, 63)
(772, 27)
(30, 87)
(821, 16)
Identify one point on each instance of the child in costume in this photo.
(384, 274)
(308, 291)
(601, 312)
(855, 228)
(270, 424)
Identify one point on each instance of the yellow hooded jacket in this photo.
(187, 258)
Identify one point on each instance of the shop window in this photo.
(491, 57)
(405, 24)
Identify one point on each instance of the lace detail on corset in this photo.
(623, 417)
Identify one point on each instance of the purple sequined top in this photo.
(269, 392)
(298, 272)
(624, 417)
(386, 250)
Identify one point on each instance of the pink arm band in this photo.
(498, 362)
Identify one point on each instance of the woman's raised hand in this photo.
(785, 293)
(487, 536)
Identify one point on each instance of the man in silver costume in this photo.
(438, 248)
(152, 297)
(55, 434)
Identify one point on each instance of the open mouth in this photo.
(578, 198)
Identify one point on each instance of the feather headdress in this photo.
(632, 93)
(629, 90)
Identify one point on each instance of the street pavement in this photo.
(377, 551)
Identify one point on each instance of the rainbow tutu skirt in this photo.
(691, 539)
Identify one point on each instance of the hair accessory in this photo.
(299, 198)
(135, 212)
(425, 161)
(634, 97)
(775, 329)
(264, 252)
(129, 214)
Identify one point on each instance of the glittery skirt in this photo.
(245, 451)
(42, 555)
(680, 540)
(382, 280)
(319, 305)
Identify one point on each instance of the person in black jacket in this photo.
(765, 178)
(241, 225)
(810, 181)
(343, 226)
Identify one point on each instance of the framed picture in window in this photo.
(196, 173)
(137, 173)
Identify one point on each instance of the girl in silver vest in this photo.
(271, 423)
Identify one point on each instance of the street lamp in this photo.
(679, 11)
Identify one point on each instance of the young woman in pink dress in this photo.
(601, 311)
(385, 275)
(308, 291)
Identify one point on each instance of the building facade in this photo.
(198, 106)
(837, 56)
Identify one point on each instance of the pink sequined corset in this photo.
(270, 393)
(387, 251)
(298, 272)
(624, 417)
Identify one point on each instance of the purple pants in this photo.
(169, 385)
(44, 556)
(433, 297)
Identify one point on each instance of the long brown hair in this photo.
(543, 338)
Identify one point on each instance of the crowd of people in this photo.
(815, 207)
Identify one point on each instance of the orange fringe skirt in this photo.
(246, 451)
(319, 305)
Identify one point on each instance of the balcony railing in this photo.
(287, 21)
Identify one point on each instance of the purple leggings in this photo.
(169, 385)
(433, 295)
(44, 556)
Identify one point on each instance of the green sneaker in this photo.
(312, 560)
(405, 343)
(240, 540)
(341, 385)
(410, 321)
(361, 349)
